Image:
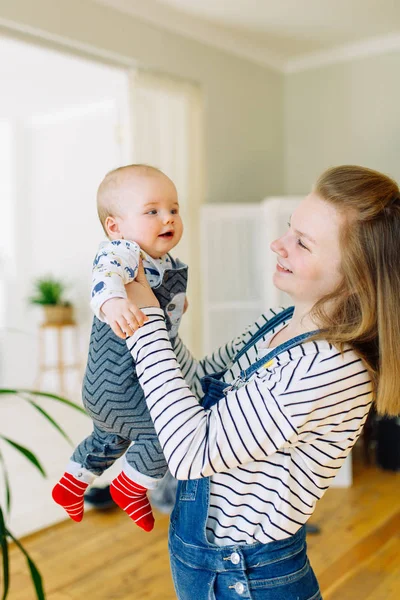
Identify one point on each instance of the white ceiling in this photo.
(37, 81)
(275, 32)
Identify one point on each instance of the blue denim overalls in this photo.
(204, 571)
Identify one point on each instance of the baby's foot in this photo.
(132, 498)
(68, 492)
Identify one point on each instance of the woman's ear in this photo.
(112, 227)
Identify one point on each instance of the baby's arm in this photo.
(115, 265)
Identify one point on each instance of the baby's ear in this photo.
(112, 227)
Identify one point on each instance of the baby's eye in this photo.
(174, 211)
(152, 212)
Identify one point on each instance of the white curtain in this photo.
(7, 227)
(167, 121)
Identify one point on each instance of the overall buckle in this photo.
(236, 384)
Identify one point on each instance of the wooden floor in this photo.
(356, 557)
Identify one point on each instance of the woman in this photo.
(284, 402)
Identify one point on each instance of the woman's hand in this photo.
(123, 316)
(139, 291)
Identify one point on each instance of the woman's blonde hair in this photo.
(366, 306)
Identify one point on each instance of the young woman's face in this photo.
(308, 254)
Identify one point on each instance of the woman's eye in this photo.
(300, 243)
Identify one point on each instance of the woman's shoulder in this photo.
(317, 347)
(312, 368)
(318, 357)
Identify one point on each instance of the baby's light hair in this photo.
(110, 188)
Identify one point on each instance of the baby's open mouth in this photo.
(168, 234)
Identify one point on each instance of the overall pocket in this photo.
(289, 579)
(188, 490)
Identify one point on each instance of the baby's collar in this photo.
(164, 259)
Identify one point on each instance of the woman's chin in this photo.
(278, 283)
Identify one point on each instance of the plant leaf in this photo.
(48, 290)
(50, 419)
(26, 452)
(4, 551)
(6, 483)
(35, 575)
(21, 392)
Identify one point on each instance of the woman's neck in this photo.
(301, 322)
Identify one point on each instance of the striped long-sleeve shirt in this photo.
(272, 447)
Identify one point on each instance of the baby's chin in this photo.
(163, 245)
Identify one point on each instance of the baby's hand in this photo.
(123, 316)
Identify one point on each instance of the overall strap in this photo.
(269, 326)
(173, 261)
(176, 263)
(263, 362)
(246, 373)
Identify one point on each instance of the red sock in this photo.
(68, 492)
(132, 498)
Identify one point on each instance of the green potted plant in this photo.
(49, 293)
(31, 397)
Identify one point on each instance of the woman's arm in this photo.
(141, 294)
(193, 370)
(246, 425)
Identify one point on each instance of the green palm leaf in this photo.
(22, 393)
(26, 452)
(4, 550)
(6, 483)
(35, 575)
(28, 396)
(49, 418)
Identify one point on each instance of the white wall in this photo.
(59, 165)
(243, 101)
(7, 225)
(56, 161)
(342, 113)
(69, 158)
(63, 117)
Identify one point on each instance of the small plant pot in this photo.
(55, 314)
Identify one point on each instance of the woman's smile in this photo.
(281, 269)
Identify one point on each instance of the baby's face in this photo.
(149, 214)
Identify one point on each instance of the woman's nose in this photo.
(279, 247)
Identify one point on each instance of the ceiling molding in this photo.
(164, 17)
(211, 35)
(65, 42)
(345, 53)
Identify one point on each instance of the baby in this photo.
(139, 210)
